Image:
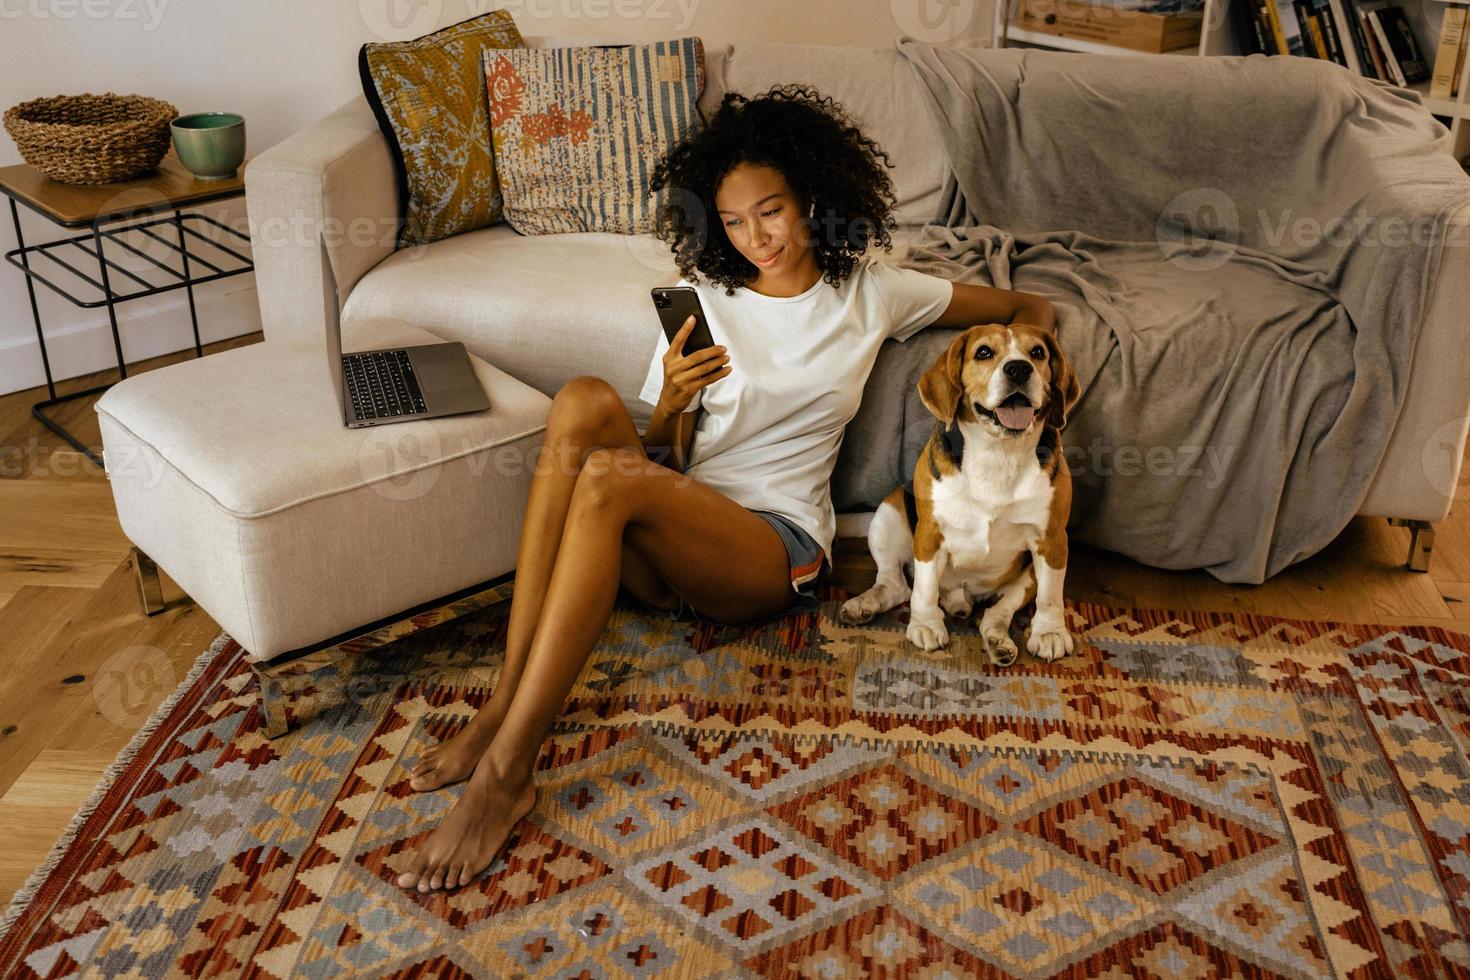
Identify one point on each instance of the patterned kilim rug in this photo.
(1189, 795)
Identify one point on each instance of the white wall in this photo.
(284, 63)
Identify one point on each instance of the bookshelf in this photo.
(1425, 18)
(1217, 38)
(1076, 44)
(1214, 34)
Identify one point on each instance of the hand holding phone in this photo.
(685, 375)
(693, 361)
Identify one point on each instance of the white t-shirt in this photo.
(771, 428)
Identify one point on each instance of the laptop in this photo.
(376, 387)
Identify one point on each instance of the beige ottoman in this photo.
(235, 474)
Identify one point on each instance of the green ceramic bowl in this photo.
(210, 144)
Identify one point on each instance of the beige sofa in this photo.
(545, 309)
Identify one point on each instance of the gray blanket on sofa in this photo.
(1238, 250)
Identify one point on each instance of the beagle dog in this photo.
(987, 515)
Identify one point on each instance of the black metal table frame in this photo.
(111, 227)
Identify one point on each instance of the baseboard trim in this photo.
(147, 331)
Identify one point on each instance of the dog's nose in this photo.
(1018, 371)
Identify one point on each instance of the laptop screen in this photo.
(333, 317)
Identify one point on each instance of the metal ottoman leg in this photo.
(1421, 542)
(150, 589)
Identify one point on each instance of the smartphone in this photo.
(675, 304)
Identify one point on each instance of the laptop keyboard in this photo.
(382, 385)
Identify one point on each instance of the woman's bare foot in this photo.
(453, 759)
(471, 835)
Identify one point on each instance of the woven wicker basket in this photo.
(91, 139)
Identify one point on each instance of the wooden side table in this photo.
(129, 216)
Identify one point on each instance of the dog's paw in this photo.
(928, 635)
(860, 609)
(856, 611)
(879, 599)
(957, 603)
(1050, 644)
(999, 647)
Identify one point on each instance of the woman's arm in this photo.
(973, 304)
(666, 428)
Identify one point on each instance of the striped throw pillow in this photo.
(576, 131)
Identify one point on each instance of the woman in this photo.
(738, 536)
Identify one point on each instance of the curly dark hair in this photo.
(811, 141)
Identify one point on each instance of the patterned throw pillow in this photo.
(576, 130)
(429, 97)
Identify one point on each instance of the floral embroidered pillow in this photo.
(576, 130)
(429, 97)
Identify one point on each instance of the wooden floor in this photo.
(83, 668)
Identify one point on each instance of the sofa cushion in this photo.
(430, 104)
(544, 308)
(576, 129)
(522, 302)
(715, 56)
(877, 88)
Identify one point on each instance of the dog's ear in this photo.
(1065, 389)
(941, 387)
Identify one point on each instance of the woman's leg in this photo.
(586, 414)
(721, 558)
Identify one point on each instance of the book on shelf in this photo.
(1449, 59)
(1409, 63)
(1331, 33)
(1285, 32)
(1395, 73)
(1298, 27)
(1378, 31)
(1370, 40)
(1250, 33)
(1303, 13)
(1352, 33)
(1459, 70)
(1318, 30)
(1314, 31)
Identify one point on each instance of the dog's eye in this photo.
(983, 353)
(1038, 352)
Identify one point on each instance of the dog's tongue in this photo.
(1015, 416)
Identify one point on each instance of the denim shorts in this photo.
(805, 558)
